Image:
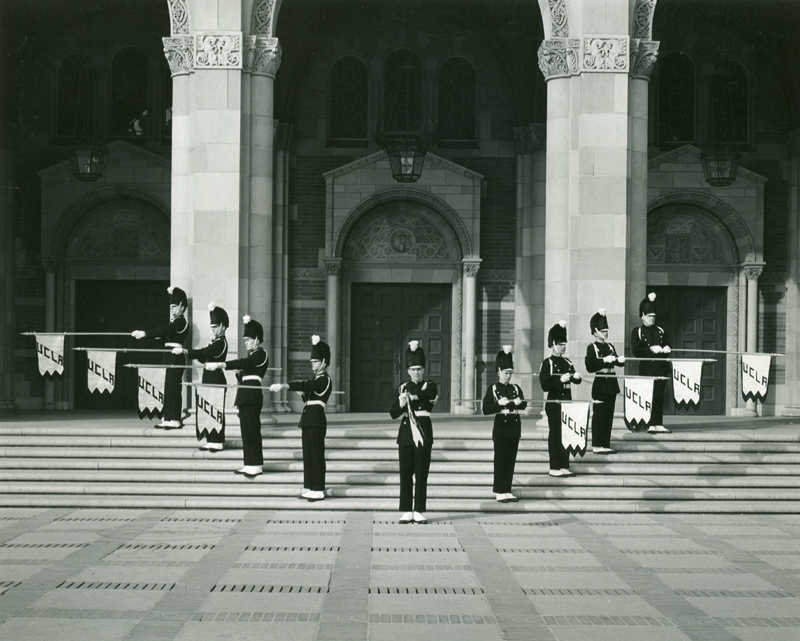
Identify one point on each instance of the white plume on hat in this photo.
(563, 323)
(507, 349)
(314, 339)
(246, 318)
(170, 289)
(212, 307)
(602, 311)
(651, 296)
(413, 345)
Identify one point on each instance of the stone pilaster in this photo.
(752, 272)
(468, 314)
(792, 405)
(333, 271)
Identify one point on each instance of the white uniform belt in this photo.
(607, 370)
(172, 345)
(251, 377)
(316, 403)
(508, 411)
(422, 413)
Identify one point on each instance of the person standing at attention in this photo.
(650, 341)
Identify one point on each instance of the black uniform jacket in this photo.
(550, 374)
(642, 338)
(595, 365)
(253, 367)
(422, 396)
(507, 423)
(175, 334)
(316, 392)
(214, 352)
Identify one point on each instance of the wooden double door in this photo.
(695, 318)
(385, 318)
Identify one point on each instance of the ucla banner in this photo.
(50, 351)
(574, 424)
(151, 391)
(101, 367)
(686, 376)
(210, 406)
(755, 376)
(638, 403)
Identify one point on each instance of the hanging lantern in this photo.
(720, 166)
(719, 157)
(87, 162)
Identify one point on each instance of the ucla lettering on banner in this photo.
(210, 410)
(100, 370)
(686, 377)
(50, 353)
(755, 376)
(151, 391)
(574, 426)
(638, 402)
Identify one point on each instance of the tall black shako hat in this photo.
(217, 315)
(177, 296)
(648, 304)
(504, 359)
(557, 333)
(598, 321)
(415, 356)
(253, 329)
(320, 350)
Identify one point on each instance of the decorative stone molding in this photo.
(643, 57)
(333, 266)
(559, 57)
(263, 13)
(179, 52)
(498, 276)
(529, 139)
(307, 274)
(51, 264)
(559, 18)
(752, 271)
(605, 54)
(282, 136)
(262, 56)
(643, 19)
(178, 17)
(471, 267)
(538, 135)
(218, 50)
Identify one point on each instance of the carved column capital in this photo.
(262, 55)
(471, 267)
(558, 57)
(218, 50)
(605, 54)
(538, 135)
(50, 264)
(643, 57)
(179, 52)
(752, 271)
(529, 139)
(333, 266)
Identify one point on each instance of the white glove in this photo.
(620, 359)
(517, 401)
(656, 349)
(213, 366)
(565, 378)
(403, 398)
(137, 334)
(502, 402)
(178, 351)
(666, 349)
(276, 387)
(609, 359)
(577, 375)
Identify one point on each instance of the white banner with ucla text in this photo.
(686, 377)
(638, 403)
(151, 391)
(100, 370)
(210, 410)
(50, 351)
(574, 426)
(755, 376)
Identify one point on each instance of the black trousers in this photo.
(313, 440)
(250, 419)
(602, 419)
(659, 390)
(173, 401)
(415, 463)
(559, 457)
(505, 458)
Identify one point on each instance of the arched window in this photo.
(74, 98)
(129, 94)
(676, 99)
(349, 102)
(729, 110)
(402, 104)
(457, 103)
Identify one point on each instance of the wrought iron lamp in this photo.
(720, 158)
(87, 158)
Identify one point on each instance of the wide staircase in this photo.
(724, 465)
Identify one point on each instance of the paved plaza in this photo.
(151, 575)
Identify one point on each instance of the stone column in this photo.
(792, 405)
(333, 296)
(7, 294)
(752, 272)
(468, 315)
(50, 265)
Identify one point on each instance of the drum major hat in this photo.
(557, 333)
(504, 359)
(598, 321)
(177, 296)
(415, 357)
(320, 350)
(218, 315)
(253, 329)
(648, 305)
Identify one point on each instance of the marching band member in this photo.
(313, 422)
(504, 399)
(601, 358)
(415, 437)
(214, 352)
(249, 401)
(651, 341)
(555, 376)
(175, 334)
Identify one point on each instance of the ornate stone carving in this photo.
(51, 264)
(124, 235)
(605, 54)
(262, 56)
(753, 271)
(178, 17)
(262, 17)
(471, 268)
(684, 240)
(498, 275)
(643, 19)
(559, 57)
(643, 57)
(179, 52)
(306, 274)
(407, 234)
(218, 50)
(559, 18)
(522, 140)
(333, 266)
(538, 135)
